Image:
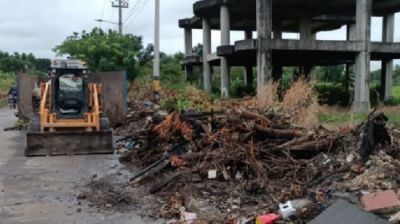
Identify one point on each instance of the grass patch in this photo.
(396, 94)
(343, 118)
(395, 100)
(6, 80)
(394, 118)
(3, 103)
(347, 117)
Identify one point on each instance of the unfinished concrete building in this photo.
(269, 52)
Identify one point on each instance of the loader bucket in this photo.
(68, 143)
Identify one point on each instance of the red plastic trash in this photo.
(267, 219)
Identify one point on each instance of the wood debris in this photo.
(260, 161)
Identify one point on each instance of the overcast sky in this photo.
(38, 25)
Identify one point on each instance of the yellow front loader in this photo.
(70, 119)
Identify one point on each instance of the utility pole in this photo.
(156, 67)
(120, 4)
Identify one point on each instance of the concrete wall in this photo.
(114, 94)
(26, 84)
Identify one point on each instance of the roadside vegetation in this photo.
(396, 95)
(11, 64)
(6, 80)
(352, 118)
(336, 95)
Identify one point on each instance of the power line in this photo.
(102, 11)
(132, 11)
(144, 3)
(104, 7)
(111, 14)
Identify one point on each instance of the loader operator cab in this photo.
(70, 91)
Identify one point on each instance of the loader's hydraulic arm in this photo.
(49, 121)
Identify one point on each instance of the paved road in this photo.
(43, 190)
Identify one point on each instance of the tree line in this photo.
(22, 62)
(103, 51)
(110, 51)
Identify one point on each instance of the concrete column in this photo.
(248, 70)
(387, 65)
(225, 40)
(306, 34)
(350, 36)
(188, 42)
(362, 65)
(248, 34)
(277, 72)
(278, 30)
(188, 71)
(188, 50)
(225, 25)
(248, 76)
(264, 32)
(388, 28)
(308, 72)
(306, 28)
(206, 51)
(351, 32)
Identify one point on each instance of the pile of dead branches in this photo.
(239, 144)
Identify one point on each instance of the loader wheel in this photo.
(34, 125)
(104, 124)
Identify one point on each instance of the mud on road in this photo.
(48, 190)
